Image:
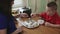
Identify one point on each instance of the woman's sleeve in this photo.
(3, 22)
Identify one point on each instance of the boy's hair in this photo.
(50, 4)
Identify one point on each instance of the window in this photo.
(17, 3)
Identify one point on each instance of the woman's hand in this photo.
(19, 30)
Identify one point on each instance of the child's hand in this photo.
(47, 24)
(52, 25)
(33, 15)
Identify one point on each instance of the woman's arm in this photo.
(3, 31)
(52, 25)
(19, 30)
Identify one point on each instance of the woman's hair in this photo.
(5, 7)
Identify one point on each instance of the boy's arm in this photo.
(52, 25)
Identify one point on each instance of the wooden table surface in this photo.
(41, 29)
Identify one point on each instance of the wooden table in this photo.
(41, 29)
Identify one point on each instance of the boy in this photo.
(50, 15)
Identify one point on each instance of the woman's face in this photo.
(50, 10)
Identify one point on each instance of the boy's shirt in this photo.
(55, 19)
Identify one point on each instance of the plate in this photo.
(41, 21)
(30, 23)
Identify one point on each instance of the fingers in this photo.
(47, 24)
(33, 15)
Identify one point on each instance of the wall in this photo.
(18, 3)
(31, 4)
(37, 6)
(41, 5)
(58, 2)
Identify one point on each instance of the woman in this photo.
(7, 25)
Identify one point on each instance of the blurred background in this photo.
(37, 6)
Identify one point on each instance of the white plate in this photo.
(30, 24)
(40, 21)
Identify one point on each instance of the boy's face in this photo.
(51, 10)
